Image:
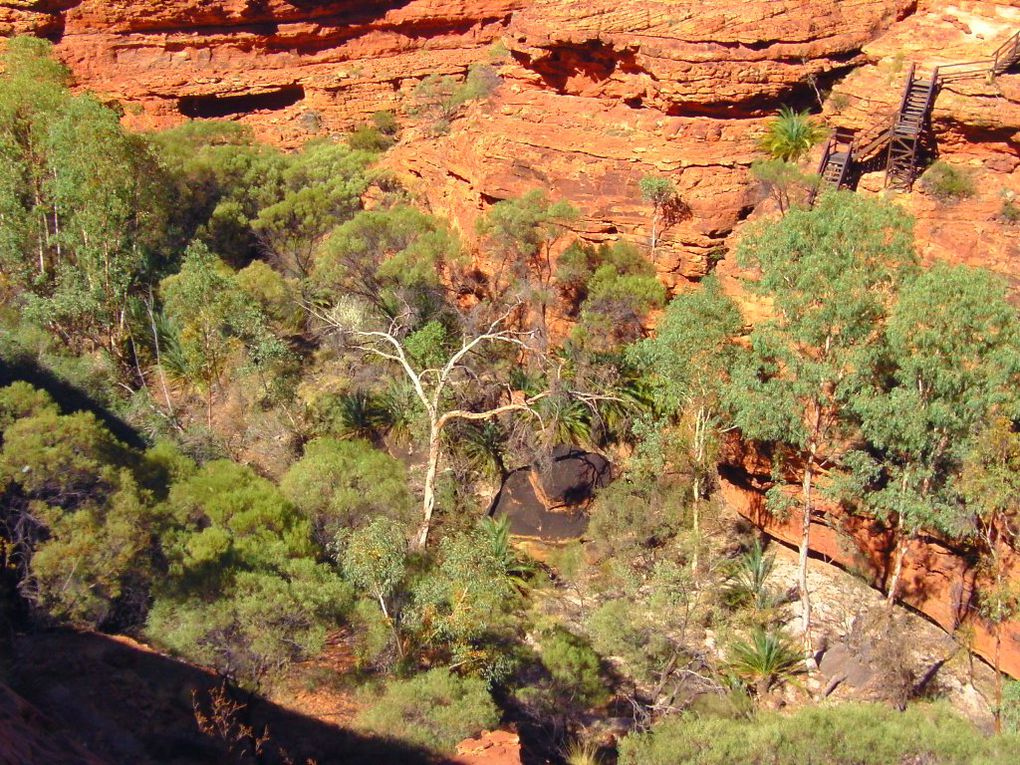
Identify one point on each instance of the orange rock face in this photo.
(596, 94)
(498, 747)
(939, 579)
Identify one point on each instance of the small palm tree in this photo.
(764, 660)
(791, 135)
(360, 414)
(748, 580)
(518, 569)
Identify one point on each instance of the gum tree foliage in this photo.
(79, 204)
(521, 234)
(322, 187)
(831, 275)
(667, 206)
(214, 323)
(374, 560)
(688, 363)
(990, 483)
(436, 709)
(611, 290)
(952, 355)
(396, 312)
(466, 609)
(345, 484)
(391, 259)
(77, 526)
(243, 591)
(440, 98)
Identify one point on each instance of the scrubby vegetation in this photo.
(948, 183)
(242, 416)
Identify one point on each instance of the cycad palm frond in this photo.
(748, 579)
(765, 659)
(791, 135)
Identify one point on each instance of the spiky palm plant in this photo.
(518, 569)
(360, 414)
(791, 135)
(582, 753)
(748, 579)
(764, 660)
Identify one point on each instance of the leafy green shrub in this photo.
(1010, 712)
(436, 709)
(345, 484)
(1010, 211)
(629, 517)
(386, 123)
(575, 668)
(847, 734)
(948, 183)
(369, 138)
(440, 98)
(618, 631)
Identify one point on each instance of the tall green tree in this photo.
(689, 362)
(831, 275)
(667, 206)
(81, 216)
(990, 483)
(952, 354)
(521, 234)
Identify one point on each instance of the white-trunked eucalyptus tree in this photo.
(465, 371)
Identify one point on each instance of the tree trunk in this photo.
(695, 509)
(655, 232)
(998, 679)
(429, 492)
(802, 562)
(901, 554)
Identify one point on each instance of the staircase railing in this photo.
(868, 155)
(906, 91)
(1006, 55)
(966, 70)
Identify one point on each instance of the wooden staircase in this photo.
(903, 164)
(834, 171)
(903, 149)
(1007, 56)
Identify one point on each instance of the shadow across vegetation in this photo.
(128, 704)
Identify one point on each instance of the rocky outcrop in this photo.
(498, 747)
(976, 126)
(596, 95)
(940, 579)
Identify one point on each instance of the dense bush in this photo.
(948, 183)
(436, 709)
(847, 734)
(345, 484)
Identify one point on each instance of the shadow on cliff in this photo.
(127, 704)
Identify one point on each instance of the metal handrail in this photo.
(906, 89)
(1006, 52)
(966, 70)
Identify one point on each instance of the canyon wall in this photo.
(595, 95)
